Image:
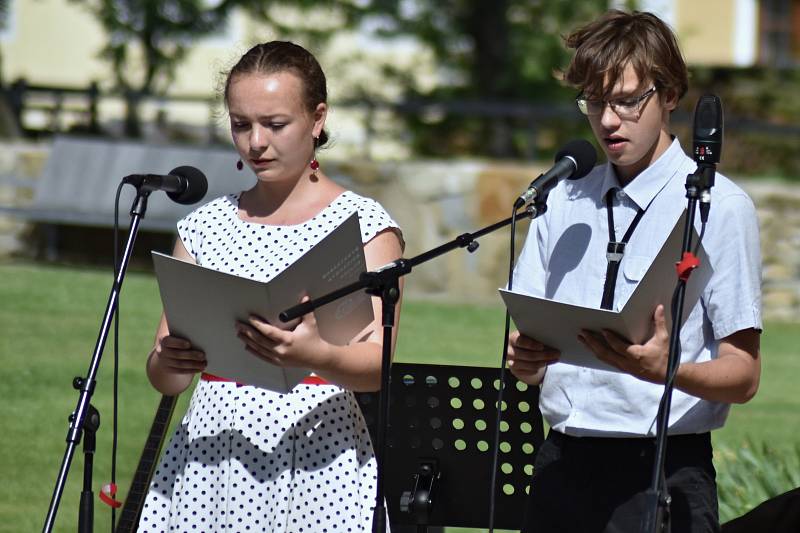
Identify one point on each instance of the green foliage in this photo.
(752, 474)
(492, 49)
(490, 53)
(4, 9)
(763, 136)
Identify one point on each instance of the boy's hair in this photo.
(604, 47)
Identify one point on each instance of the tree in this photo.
(495, 54)
(496, 57)
(147, 39)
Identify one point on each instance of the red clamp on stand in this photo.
(685, 266)
(107, 495)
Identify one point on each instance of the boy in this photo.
(598, 457)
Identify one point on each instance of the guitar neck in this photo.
(132, 509)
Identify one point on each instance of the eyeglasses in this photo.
(623, 107)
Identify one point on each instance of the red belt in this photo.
(309, 380)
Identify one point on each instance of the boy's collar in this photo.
(649, 182)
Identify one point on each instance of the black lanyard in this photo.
(615, 251)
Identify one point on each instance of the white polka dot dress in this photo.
(249, 459)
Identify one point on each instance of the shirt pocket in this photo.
(634, 267)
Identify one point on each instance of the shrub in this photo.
(753, 474)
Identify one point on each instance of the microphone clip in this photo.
(536, 207)
(698, 187)
(700, 181)
(147, 183)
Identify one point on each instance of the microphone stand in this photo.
(384, 282)
(85, 416)
(657, 500)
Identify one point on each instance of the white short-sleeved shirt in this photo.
(564, 259)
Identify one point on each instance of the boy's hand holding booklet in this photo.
(203, 305)
(557, 324)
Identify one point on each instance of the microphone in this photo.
(185, 185)
(573, 161)
(707, 132)
(706, 148)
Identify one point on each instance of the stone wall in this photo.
(21, 163)
(778, 207)
(435, 201)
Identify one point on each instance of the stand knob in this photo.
(405, 501)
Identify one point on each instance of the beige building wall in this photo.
(51, 42)
(705, 30)
(711, 32)
(57, 42)
(718, 32)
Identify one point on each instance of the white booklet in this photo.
(203, 305)
(557, 324)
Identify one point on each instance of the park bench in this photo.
(78, 184)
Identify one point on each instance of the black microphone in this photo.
(708, 122)
(573, 161)
(185, 185)
(706, 148)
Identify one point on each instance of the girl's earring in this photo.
(239, 165)
(314, 164)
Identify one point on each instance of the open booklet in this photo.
(203, 305)
(557, 324)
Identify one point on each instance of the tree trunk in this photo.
(133, 125)
(488, 25)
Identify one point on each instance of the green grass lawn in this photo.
(49, 318)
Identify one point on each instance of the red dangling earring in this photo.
(239, 165)
(314, 164)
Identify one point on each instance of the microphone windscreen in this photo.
(707, 131)
(584, 154)
(196, 185)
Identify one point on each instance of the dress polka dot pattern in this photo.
(249, 459)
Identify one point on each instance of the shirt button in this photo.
(621, 194)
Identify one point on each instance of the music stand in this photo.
(439, 442)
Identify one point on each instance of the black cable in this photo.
(501, 386)
(669, 379)
(115, 392)
(674, 312)
(700, 238)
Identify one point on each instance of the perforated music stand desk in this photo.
(447, 413)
